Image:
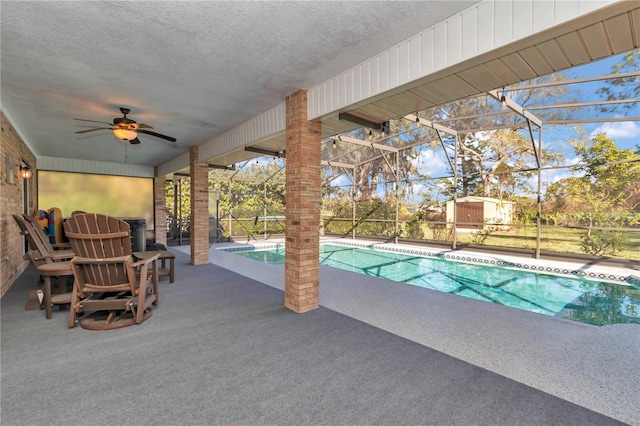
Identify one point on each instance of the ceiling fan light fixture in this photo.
(125, 134)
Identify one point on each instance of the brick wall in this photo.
(199, 229)
(11, 261)
(302, 273)
(160, 210)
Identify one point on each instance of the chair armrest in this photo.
(61, 255)
(61, 246)
(145, 260)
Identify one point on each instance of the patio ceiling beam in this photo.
(279, 154)
(382, 126)
(515, 107)
(216, 166)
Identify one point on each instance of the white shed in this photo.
(476, 212)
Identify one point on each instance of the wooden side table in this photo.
(164, 255)
(59, 270)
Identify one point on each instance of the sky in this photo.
(626, 134)
(558, 138)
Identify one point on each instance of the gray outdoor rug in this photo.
(222, 349)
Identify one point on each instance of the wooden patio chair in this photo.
(44, 238)
(117, 290)
(40, 242)
(50, 263)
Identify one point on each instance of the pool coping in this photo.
(616, 275)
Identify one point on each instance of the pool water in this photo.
(576, 298)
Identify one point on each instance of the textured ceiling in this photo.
(191, 70)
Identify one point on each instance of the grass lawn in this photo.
(552, 239)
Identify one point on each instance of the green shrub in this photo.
(602, 243)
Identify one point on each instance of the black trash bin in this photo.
(138, 227)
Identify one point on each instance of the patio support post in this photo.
(179, 212)
(353, 206)
(160, 210)
(397, 189)
(539, 204)
(229, 213)
(264, 208)
(199, 224)
(455, 190)
(302, 208)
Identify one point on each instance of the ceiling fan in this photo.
(125, 128)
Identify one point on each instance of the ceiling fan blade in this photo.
(158, 135)
(143, 126)
(134, 141)
(93, 130)
(91, 121)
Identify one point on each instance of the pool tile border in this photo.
(477, 259)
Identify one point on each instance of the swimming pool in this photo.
(576, 298)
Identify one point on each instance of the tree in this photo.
(484, 155)
(621, 87)
(613, 173)
(376, 167)
(607, 188)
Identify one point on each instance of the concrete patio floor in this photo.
(595, 367)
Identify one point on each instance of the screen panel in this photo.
(119, 196)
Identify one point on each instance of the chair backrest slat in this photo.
(29, 230)
(109, 273)
(39, 233)
(98, 236)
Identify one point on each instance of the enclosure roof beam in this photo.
(574, 81)
(337, 164)
(515, 107)
(594, 120)
(583, 104)
(368, 144)
(345, 153)
(427, 123)
(273, 174)
(239, 168)
(403, 148)
(393, 172)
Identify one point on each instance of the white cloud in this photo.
(622, 130)
(431, 164)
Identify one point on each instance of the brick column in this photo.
(160, 210)
(199, 229)
(302, 269)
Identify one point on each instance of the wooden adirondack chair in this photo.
(45, 238)
(109, 283)
(49, 262)
(40, 242)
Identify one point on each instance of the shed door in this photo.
(470, 215)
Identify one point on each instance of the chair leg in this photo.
(47, 296)
(155, 277)
(72, 309)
